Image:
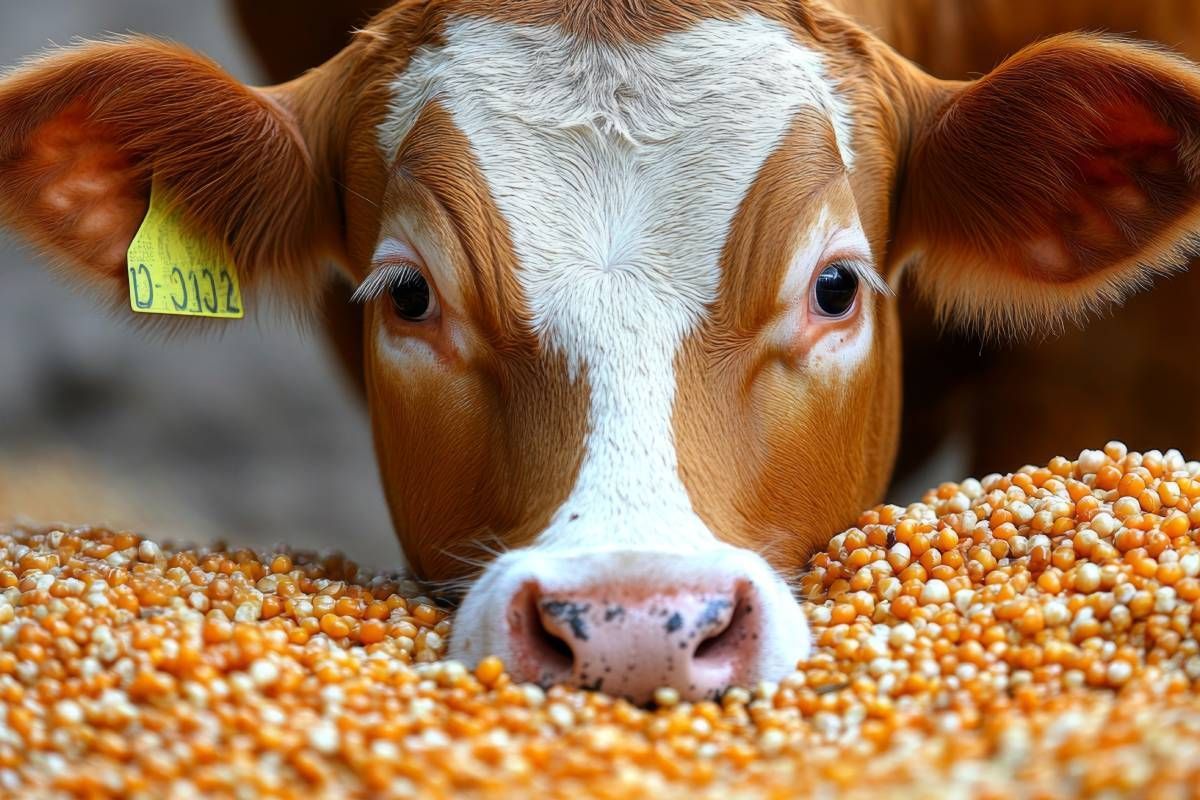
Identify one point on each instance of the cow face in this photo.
(627, 277)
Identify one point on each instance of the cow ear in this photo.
(85, 131)
(1063, 180)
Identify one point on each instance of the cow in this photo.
(628, 274)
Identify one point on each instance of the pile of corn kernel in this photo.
(1027, 635)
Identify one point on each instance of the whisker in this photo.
(450, 589)
(491, 547)
(359, 195)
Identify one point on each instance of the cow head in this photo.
(627, 274)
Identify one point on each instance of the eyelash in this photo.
(379, 282)
(868, 277)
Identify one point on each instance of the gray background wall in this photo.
(249, 435)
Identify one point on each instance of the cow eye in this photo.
(411, 296)
(835, 290)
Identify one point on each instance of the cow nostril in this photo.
(727, 634)
(551, 651)
(629, 642)
(714, 645)
(558, 650)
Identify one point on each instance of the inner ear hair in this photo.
(1059, 183)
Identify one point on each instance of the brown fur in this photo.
(756, 452)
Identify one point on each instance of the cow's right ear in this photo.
(85, 130)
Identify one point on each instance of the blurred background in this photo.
(249, 434)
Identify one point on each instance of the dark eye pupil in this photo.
(836, 288)
(410, 296)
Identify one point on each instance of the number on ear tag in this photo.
(173, 271)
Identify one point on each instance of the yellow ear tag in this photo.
(173, 271)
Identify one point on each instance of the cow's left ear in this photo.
(85, 131)
(1061, 181)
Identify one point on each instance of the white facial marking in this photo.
(619, 169)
